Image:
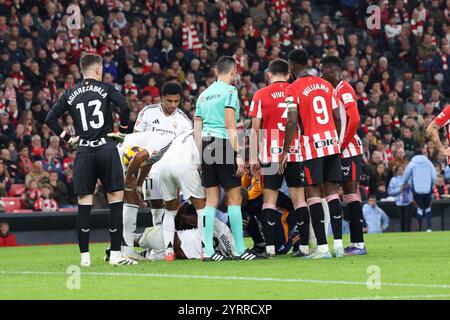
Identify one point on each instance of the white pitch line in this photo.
(424, 296)
(206, 277)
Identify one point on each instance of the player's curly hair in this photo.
(332, 62)
(171, 88)
(299, 57)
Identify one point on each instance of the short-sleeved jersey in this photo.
(152, 118)
(313, 98)
(211, 106)
(346, 98)
(89, 104)
(269, 105)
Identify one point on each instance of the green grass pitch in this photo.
(411, 266)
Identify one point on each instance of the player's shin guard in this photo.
(157, 216)
(168, 226)
(318, 220)
(335, 208)
(116, 225)
(210, 215)
(83, 225)
(302, 217)
(235, 217)
(269, 216)
(130, 212)
(356, 219)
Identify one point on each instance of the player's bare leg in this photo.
(353, 200)
(313, 194)
(302, 217)
(334, 205)
(83, 225)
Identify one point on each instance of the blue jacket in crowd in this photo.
(402, 198)
(422, 173)
(376, 219)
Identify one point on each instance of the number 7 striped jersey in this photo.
(269, 105)
(313, 98)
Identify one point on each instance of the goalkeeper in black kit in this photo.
(90, 103)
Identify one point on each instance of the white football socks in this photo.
(157, 215)
(168, 225)
(130, 213)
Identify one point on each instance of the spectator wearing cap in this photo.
(7, 239)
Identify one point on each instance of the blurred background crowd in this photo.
(400, 73)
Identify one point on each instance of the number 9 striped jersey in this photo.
(312, 97)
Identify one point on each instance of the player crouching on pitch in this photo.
(138, 152)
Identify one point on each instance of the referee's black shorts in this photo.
(219, 164)
(97, 163)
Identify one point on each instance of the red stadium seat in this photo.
(17, 189)
(11, 203)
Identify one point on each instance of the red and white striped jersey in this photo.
(346, 98)
(313, 98)
(269, 105)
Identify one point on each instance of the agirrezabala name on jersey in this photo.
(92, 88)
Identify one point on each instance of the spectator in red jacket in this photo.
(6, 238)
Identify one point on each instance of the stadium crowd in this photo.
(400, 73)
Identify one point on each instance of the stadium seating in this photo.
(11, 203)
(17, 189)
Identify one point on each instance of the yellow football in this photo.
(129, 154)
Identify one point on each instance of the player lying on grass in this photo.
(187, 238)
(178, 170)
(139, 152)
(283, 223)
